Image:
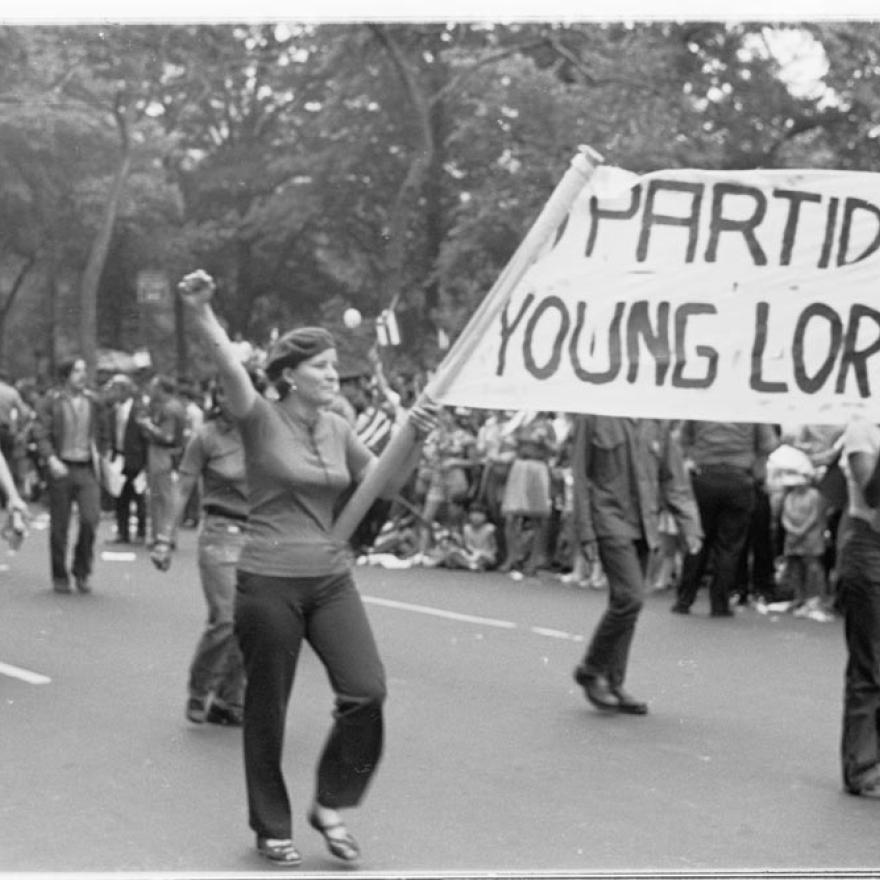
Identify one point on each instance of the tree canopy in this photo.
(315, 167)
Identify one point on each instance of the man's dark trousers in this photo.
(624, 562)
(726, 499)
(859, 568)
(80, 486)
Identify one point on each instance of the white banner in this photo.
(733, 296)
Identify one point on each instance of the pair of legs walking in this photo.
(79, 486)
(216, 674)
(726, 499)
(272, 617)
(860, 596)
(603, 669)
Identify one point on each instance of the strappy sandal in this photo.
(280, 851)
(339, 841)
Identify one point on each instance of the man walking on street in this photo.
(164, 425)
(727, 459)
(70, 434)
(625, 472)
(130, 445)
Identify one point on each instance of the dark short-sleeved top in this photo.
(216, 454)
(296, 473)
(738, 444)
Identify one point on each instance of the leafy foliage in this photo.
(312, 167)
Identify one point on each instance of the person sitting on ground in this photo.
(474, 548)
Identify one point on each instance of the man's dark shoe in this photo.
(60, 585)
(196, 710)
(83, 585)
(678, 608)
(867, 785)
(596, 690)
(723, 612)
(227, 716)
(628, 704)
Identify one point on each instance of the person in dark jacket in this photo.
(625, 472)
(129, 444)
(70, 433)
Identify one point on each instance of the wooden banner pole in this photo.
(581, 169)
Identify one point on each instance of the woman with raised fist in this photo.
(294, 577)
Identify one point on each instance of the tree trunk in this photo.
(88, 302)
(10, 298)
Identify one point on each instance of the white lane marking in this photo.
(555, 633)
(440, 612)
(470, 618)
(23, 674)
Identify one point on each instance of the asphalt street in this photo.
(494, 762)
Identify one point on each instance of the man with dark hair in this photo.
(625, 472)
(70, 433)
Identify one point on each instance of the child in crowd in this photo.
(804, 521)
(664, 567)
(474, 548)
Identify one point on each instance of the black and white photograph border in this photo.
(495, 766)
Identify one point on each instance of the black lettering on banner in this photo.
(552, 365)
(857, 359)
(682, 314)
(508, 329)
(691, 222)
(597, 213)
(828, 241)
(719, 223)
(756, 378)
(638, 325)
(850, 207)
(812, 384)
(795, 198)
(609, 375)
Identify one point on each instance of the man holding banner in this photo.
(733, 296)
(859, 585)
(624, 471)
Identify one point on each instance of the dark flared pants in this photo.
(859, 569)
(624, 562)
(272, 617)
(726, 499)
(80, 487)
(127, 496)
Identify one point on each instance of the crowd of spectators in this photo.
(494, 490)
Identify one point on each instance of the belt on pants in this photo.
(216, 510)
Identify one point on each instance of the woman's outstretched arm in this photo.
(196, 291)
